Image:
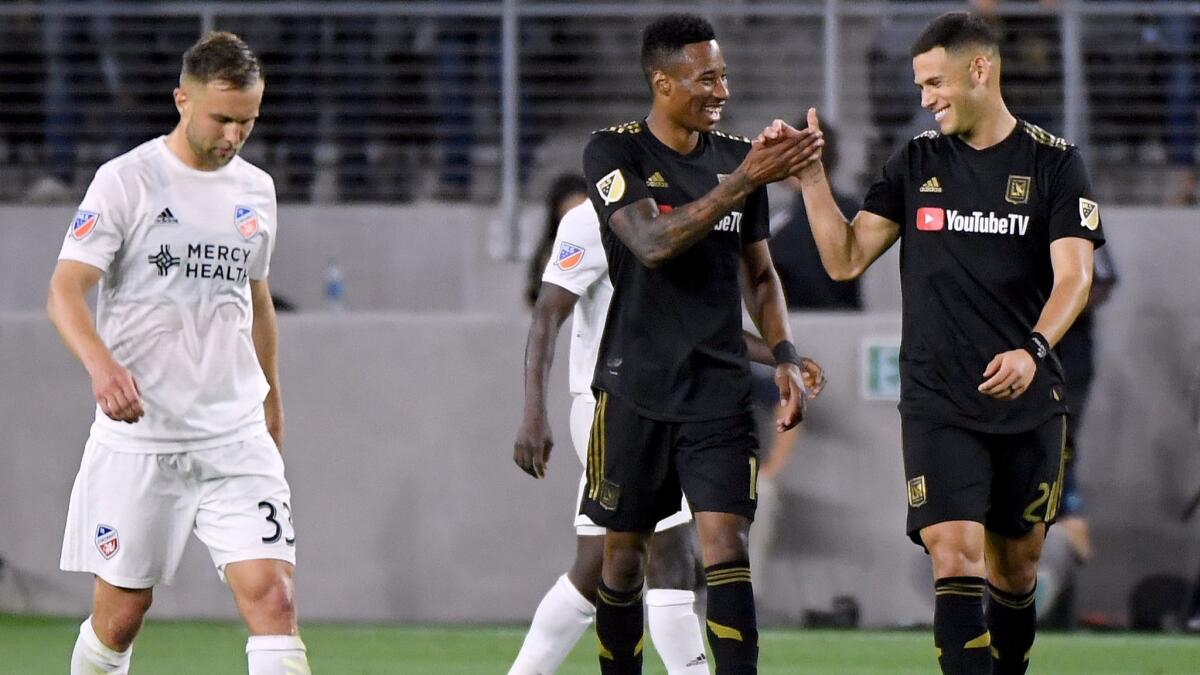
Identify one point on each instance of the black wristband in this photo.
(785, 352)
(1037, 345)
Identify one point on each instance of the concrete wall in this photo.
(400, 429)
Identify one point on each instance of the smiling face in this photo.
(693, 88)
(955, 86)
(216, 118)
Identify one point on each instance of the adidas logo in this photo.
(166, 217)
(698, 661)
(656, 180)
(932, 185)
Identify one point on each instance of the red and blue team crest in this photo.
(83, 224)
(246, 220)
(106, 541)
(569, 256)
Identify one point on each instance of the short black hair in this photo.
(222, 56)
(955, 30)
(667, 35)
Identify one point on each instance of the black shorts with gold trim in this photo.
(638, 467)
(1008, 482)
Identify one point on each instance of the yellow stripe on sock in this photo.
(722, 577)
(733, 580)
(604, 652)
(984, 640)
(948, 592)
(719, 574)
(1018, 604)
(725, 632)
(641, 643)
(608, 599)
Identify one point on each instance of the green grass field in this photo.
(38, 646)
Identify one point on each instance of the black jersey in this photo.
(975, 267)
(672, 344)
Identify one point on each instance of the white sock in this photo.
(561, 618)
(675, 631)
(92, 657)
(276, 655)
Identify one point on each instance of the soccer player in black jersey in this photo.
(683, 214)
(998, 226)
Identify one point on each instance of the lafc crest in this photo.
(611, 187)
(1089, 213)
(916, 492)
(1017, 191)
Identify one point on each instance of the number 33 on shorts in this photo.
(275, 528)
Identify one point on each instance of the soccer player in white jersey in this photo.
(178, 234)
(576, 282)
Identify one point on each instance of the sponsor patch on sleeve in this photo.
(569, 256)
(1089, 213)
(84, 224)
(611, 187)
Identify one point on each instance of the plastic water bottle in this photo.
(335, 287)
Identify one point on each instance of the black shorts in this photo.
(1008, 482)
(637, 467)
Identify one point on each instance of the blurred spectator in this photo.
(21, 80)
(794, 252)
(1032, 61)
(291, 67)
(75, 48)
(566, 192)
(1142, 82)
(1069, 543)
(1182, 37)
(896, 112)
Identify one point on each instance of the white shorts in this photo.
(131, 512)
(583, 408)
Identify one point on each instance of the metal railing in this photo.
(394, 101)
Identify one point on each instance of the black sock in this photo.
(1012, 619)
(619, 630)
(732, 625)
(962, 640)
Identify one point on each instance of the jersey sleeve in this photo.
(756, 217)
(1074, 211)
(100, 225)
(261, 266)
(613, 177)
(577, 259)
(885, 198)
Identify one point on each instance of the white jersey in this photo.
(578, 264)
(178, 248)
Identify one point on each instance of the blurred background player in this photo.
(575, 282)
(179, 232)
(986, 298)
(1069, 545)
(684, 219)
(566, 192)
